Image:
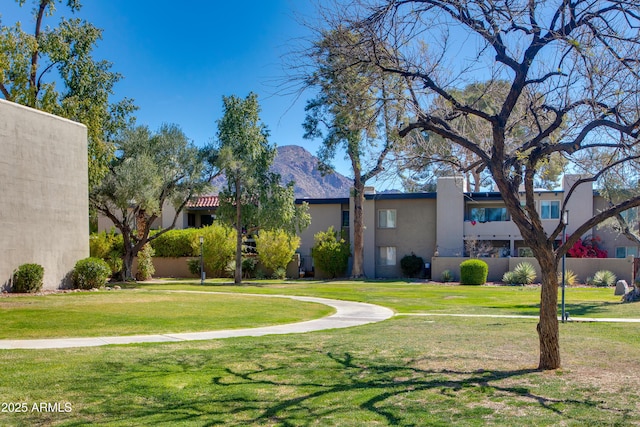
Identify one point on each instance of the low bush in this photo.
(602, 278)
(279, 273)
(249, 265)
(446, 276)
(473, 272)
(194, 266)
(411, 265)
(523, 274)
(90, 273)
(28, 278)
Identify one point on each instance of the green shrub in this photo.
(276, 248)
(603, 278)
(114, 260)
(523, 274)
(249, 265)
(219, 247)
(446, 276)
(510, 278)
(90, 273)
(28, 278)
(145, 263)
(194, 266)
(473, 272)
(176, 243)
(102, 245)
(279, 273)
(411, 265)
(330, 254)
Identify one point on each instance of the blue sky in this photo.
(178, 62)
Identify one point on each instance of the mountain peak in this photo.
(295, 163)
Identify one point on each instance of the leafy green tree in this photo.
(53, 69)
(276, 248)
(354, 111)
(253, 197)
(574, 65)
(218, 247)
(149, 171)
(330, 252)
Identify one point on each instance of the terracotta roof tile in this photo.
(204, 202)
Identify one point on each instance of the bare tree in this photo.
(573, 65)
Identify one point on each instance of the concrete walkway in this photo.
(347, 314)
(517, 316)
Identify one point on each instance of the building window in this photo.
(191, 220)
(345, 218)
(525, 252)
(549, 209)
(489, 214)
(386, 255)
(625, 251)
(387, 218)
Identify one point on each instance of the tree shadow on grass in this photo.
(298, 388)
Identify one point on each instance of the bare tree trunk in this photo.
(548, 332)
(238, 271)
(357, 270)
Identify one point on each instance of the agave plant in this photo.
(603, 278)
(524, 273)
(570, 278)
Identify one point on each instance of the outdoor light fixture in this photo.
(202, 273)
(565, 222)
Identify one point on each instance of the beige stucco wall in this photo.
(44, 193)
(450, 216)
(415, 231)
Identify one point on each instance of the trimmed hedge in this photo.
(28, 278)
(176, 243)
(90, 273)
(411, 265)
(473, 272)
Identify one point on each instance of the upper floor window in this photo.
(549, 209)
(489, 214)
(387, 218)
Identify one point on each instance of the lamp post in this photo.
(565, 222)
(202, 273)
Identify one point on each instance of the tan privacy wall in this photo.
(43, 193)
(581, 267)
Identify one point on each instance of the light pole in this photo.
(202, 273)
(565, 222)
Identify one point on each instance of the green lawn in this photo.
(407, 371)
(90, 314)
(416, 297)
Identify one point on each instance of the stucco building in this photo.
(44, 201)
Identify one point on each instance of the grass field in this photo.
(407, 371)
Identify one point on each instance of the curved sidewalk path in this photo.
(347, 314)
